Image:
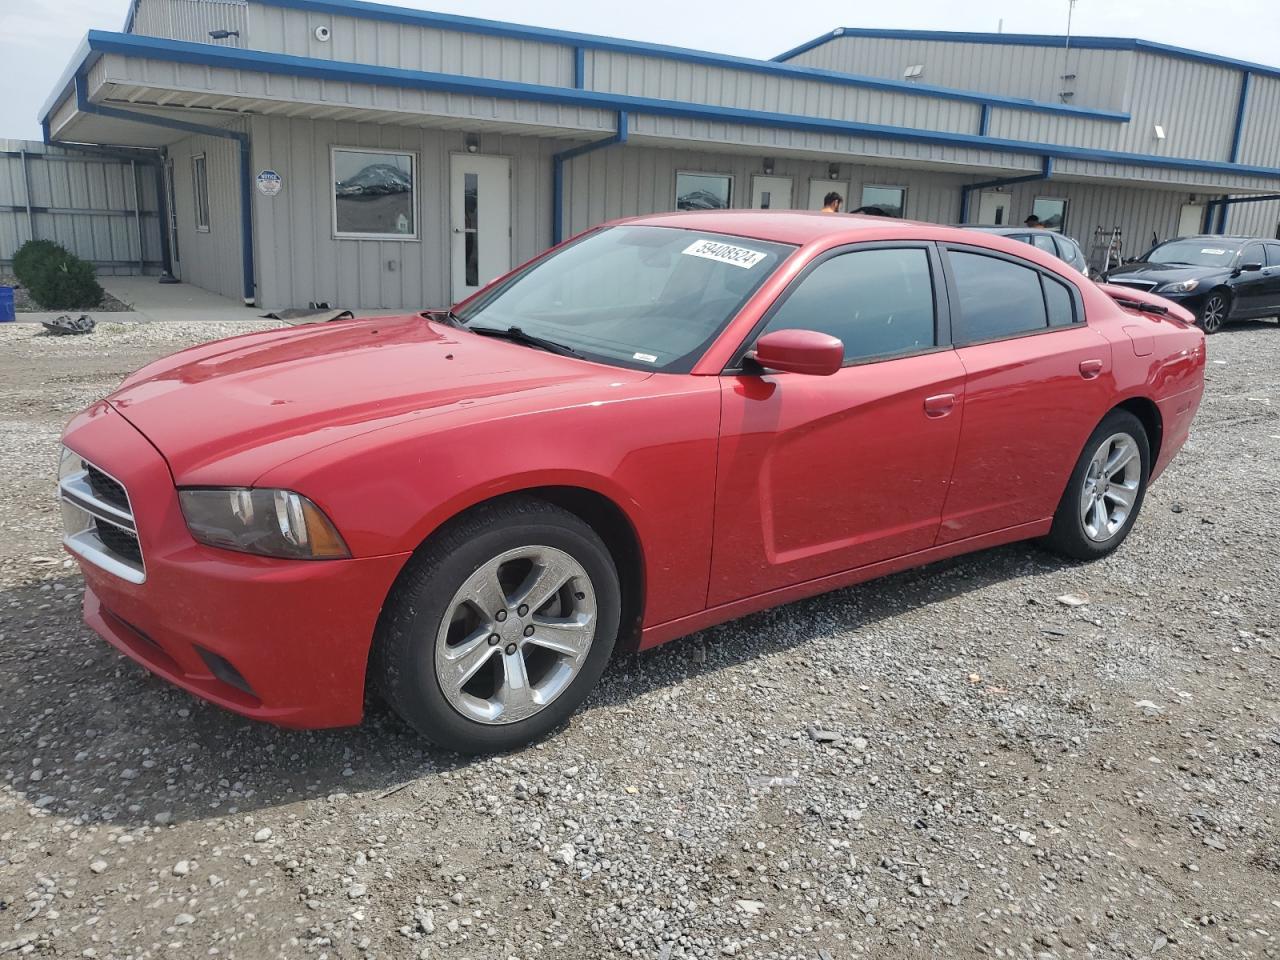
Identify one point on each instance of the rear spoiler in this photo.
(1144, 302)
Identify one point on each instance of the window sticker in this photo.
(1213, 251)
(646, 357)
(724, 253)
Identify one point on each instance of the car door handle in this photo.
(940, 405)
(1090, 368)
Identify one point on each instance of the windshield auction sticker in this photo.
(724, 253)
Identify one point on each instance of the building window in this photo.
(1052, 212)
(200, 183)
(703, 191)
(890, 201)
(374, 194)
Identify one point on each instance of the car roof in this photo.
(1216, 238)
(797, 227)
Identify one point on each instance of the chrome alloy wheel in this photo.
(1213, 313)
(1110, 487)
(516, 634)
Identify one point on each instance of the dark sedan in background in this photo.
(1216, 278)
(1055, 244)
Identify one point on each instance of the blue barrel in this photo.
(6, 304)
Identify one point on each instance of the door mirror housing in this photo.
(799, 351)
(1248, 267)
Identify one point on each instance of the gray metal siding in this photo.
(1261, 219)
(647, 76)
(1261, 140)
(763, 140)
(209, 259)
(88, 204)
(300, 261)
(191, 20)
(215, 84)
(359, 40)
(1102, 76)
(1139, 213)
(634, 180)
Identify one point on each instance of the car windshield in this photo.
(650, 298)
(1204, 252)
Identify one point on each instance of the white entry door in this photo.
(1191, 219)
(993, 210)
(820, 188)
(771, 193)
(480, 214)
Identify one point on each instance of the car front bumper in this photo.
(279, 640)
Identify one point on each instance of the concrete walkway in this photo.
(155, 302)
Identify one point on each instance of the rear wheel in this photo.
(1213, 312)
(1106, 489)
(500, 627)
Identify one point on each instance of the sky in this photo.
(38, 37)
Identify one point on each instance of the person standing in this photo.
(832, 202)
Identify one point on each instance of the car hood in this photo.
(227, 411)
(1162, 273)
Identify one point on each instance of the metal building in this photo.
(376, 156)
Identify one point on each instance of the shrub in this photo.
(69, 285)
(56, 278)
(33, 257)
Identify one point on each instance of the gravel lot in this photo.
(946, 763)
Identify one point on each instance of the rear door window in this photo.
(1059, 302)
(879, 302)
(997, 298)
(1273, 254)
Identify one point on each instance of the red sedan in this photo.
(660, 425)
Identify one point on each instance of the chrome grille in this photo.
(1135, 284)
(97, 518)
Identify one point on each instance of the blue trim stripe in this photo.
(586, 41)
(1036, 40)
(208, 55)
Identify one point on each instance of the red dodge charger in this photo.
(662, 424)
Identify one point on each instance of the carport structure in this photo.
(355, 153)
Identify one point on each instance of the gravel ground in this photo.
(22, 302)
(946, 763)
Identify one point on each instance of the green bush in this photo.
(34, 257)
(56, 278)
(69, 285)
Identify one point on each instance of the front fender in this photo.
(649, 447)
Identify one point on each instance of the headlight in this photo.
(272, 523)
(1182, 286)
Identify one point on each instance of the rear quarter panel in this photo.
(1159, 358)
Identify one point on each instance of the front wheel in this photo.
(499, 628)
(1213, 312)
(1105, 491)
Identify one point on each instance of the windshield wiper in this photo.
(516, 335)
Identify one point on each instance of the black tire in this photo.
(403, 664)
(1069, 535)
(1214, 311)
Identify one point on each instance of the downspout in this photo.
(1046, 173)
(84, 105)
(557, 174)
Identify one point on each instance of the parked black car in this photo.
(1058, 244)
(1216, 278)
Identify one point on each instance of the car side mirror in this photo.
(799, 351)
(1248, 267)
